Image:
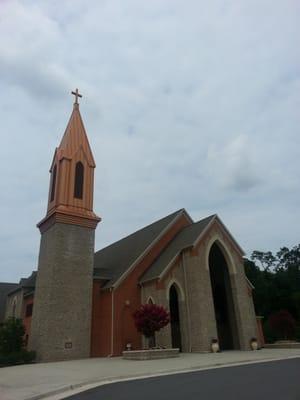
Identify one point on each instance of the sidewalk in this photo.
(38, 381)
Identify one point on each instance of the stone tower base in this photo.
(61, 322)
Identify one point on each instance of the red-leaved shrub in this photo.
(283, 323)
(150, 318)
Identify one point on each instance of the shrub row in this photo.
(16, 358)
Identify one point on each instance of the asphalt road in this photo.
(277, 380)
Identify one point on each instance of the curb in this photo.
(83, 386)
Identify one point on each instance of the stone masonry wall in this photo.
(202, 314)
(191, 276)
(161, 296)
(243, 308)
(61, 321)
(17, 299)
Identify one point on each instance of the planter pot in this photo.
(215, 347)
(254, 345)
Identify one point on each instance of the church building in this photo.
(80, 302)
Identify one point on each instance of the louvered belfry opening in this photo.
(53, 183)
(79, 178)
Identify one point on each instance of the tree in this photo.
(264, 289)
(11, 336)
(267, 259)
(289, 259)
(283, 324)
(150, 318)
(277, 284)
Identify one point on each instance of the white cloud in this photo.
(232, 165)
(192, 104)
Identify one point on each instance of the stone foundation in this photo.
(153, 354)
(283, 344)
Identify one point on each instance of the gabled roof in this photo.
(5, 288)
(184, 239)
(25, 283)
(117, 259)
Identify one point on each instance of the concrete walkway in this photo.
(58, 380)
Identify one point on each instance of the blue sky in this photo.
(190, 104)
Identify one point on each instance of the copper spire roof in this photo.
(75, 138)
(71, 193)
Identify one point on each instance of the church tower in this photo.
(61, 322)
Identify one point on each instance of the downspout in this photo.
(187, 301)
(112, 324)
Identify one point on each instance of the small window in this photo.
(53, 183)
(28, 312)
(78, 186)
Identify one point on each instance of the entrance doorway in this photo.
(223, 302)
(174, 317)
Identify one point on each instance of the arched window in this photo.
(53, 183)
(150, 301)
(175, 317)
(78, 186)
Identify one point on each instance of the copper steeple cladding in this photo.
(71, 190)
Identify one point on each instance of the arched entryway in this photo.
(223, 301)
(174, 317)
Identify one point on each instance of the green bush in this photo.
(11, 336)
(297, 333)
(269, 334)
(21, 357)
(9, 359)
(28, 356)
(12, 350)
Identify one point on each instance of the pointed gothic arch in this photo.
(178, 287)
(175, 316)
(220, 273)
(79, 179)
(150, 300)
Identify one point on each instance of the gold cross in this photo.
(76, 94)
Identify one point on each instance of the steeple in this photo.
(61, 319)
(71, 189)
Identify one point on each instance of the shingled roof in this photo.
(5, 288)
(115, 260)
(26, 283)
(184, 239)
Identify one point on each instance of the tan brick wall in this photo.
(242, 302)
(63, 294)
(17, 299)
(203, 325)
(196, 307)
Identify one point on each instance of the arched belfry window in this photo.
(53, 183)
(78, 185)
